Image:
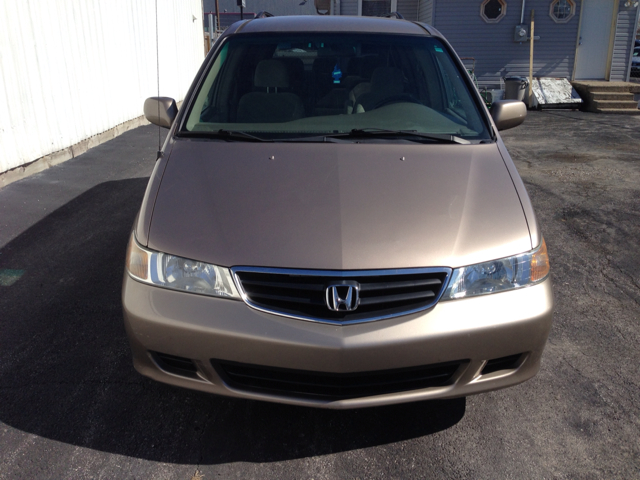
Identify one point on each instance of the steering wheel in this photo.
(403, 97)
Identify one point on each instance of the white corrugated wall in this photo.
(71, 69)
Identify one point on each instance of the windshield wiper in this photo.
(354, 133)
(381, 132)
(225, 135)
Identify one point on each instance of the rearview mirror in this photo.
(160, 111)
(508, 113)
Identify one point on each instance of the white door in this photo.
(595, 38)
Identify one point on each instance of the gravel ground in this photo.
(73, 407)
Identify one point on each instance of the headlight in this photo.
(499, 275)
(169, 271)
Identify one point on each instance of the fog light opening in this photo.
(510, 362)
(183, 367)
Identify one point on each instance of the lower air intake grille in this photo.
(502, 363)
(333, 386)
(305, 294)
(176, 365)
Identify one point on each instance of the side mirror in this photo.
(508, 113)
(160, 111)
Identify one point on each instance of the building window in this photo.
(561, 11)
(492, 11)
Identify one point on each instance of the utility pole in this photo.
(531, 60)
(218, 27)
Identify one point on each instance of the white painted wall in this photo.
(71, 69)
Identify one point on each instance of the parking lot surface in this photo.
(73, 407)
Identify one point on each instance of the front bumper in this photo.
(473, 331)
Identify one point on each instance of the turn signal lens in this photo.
(168, 271)
(540, 263)
(499, 275)
(137, 260)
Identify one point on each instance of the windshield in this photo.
(293, 86)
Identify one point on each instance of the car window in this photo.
(296, 85)
(204, 102)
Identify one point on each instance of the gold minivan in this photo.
(334, 221)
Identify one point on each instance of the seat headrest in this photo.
(271, 73)
(323, 65)
(368, 64)
(387, 80)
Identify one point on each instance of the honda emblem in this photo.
(343, 296)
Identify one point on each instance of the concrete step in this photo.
(622, 111)
(607, 89)
(604, 86)
(619, 96)
(615, 104)
(608, 97)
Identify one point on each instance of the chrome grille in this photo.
(302, 294)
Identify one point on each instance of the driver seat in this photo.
(386, 82)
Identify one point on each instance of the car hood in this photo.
(337, 206)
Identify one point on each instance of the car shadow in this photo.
(66, 371)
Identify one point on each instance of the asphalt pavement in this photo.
(72, 406)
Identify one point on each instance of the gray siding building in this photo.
(492, 45)
(594, 40)
(230, 12)
(578, 39)
(625, 33)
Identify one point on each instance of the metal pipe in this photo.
(211, 30)
(522, 13)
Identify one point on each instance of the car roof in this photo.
(333, 23)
